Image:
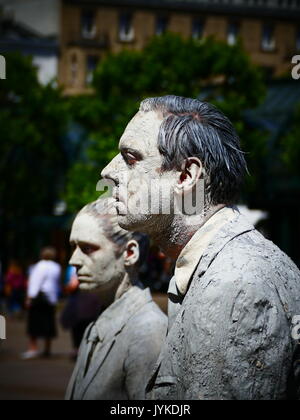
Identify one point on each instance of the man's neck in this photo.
(124, 286)
(174, 238)
(110, 295)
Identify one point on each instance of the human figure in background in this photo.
(81, 309)
(42, 297)
(118, 351)
(15, 287)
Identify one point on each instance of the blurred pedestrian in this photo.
(15, 287)
(42, 297)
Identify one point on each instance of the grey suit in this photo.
(230, 335)
(119, 351)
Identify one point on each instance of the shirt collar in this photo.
(194, 249)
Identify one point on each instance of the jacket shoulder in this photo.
(147, 323)
(252, 256)
(252, 265)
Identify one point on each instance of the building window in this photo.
(126, 30)
(88, 26)
(268, 39)
(73, 70)
(161, 25)
(91, 65)
(198, 28)
(232, 33)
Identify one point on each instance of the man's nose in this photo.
(111, 170)
(76, 260)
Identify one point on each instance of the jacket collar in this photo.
(194, 249)
(115, 317)
(231, 229)
(234, 228)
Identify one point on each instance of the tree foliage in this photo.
(290, 145)
(210, 69)
(32, 121)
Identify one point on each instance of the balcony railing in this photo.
(100, 41)
(280, 4)
(272, 4)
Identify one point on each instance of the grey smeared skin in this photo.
(101, 271)
(129, 334)
(170, 232)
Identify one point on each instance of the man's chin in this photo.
(87, 287)
(132, 222)
(123, 221)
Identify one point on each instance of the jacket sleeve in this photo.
(146, 336)
(238, 345)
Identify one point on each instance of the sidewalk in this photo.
(33, 380)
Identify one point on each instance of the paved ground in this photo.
(38, 379)
(33, 380)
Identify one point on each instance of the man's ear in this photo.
(192, 170)
(131, 253)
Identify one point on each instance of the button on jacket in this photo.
(230, 330)
(119, 351)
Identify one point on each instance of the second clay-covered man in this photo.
(119, 350)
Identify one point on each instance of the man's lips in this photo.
(116, 195)
(84, 278)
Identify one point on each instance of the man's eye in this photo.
(130, 159)
(88, 249)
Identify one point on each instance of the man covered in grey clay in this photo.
(234, 295)
(119, 351)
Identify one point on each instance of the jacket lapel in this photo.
(236, 227)
(98, 361)
(80, 364)
(108, 327)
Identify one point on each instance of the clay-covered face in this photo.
(136, 171)
(94, 255)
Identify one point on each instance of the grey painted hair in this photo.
(194, 128)
(106, 216)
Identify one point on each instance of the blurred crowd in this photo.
(45, 293)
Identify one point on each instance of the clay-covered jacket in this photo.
(119, 351)
(233, 334)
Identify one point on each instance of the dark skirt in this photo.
(41, 320)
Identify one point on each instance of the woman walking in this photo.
(42, 297)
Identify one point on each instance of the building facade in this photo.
(32, 27)
(41, 16)
(15, 37)
(269, 30)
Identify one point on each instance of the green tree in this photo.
(290, 145)
(209, 69)
(33, 160)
